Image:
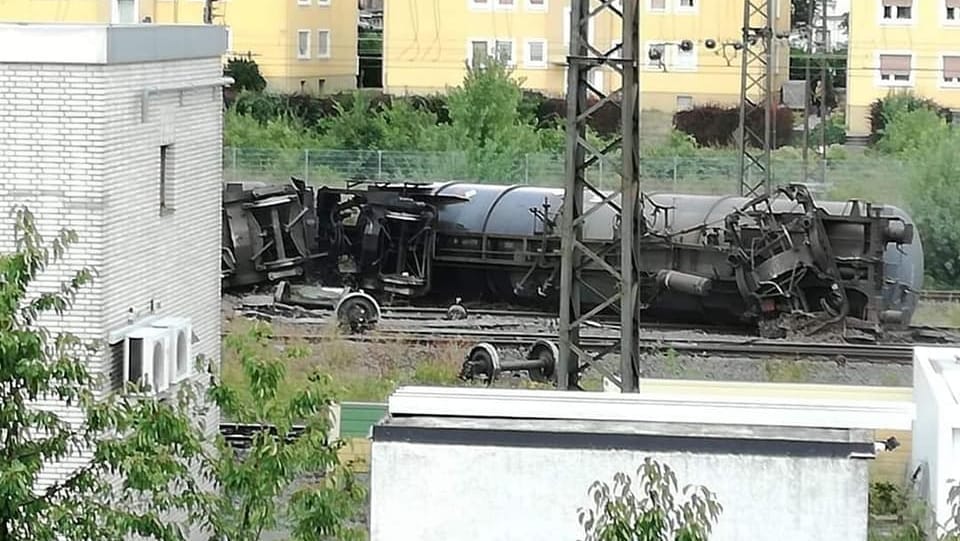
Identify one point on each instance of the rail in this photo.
(940, 295)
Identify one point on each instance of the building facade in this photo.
(300, 45)
(117, 134)
(427, 47)
(899, 46)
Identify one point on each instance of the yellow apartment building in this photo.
(899, 45)
(426, 46)
(300, 45)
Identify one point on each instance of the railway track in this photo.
(933, 295)
(749, 347)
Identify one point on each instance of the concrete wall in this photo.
(74, 149)
(481, 464)
(936, 431)
(438, 492)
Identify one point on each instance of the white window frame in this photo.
(470, 42)
(676, 54)
(897, 22)
(115, 12)
(539, 9)
(531, 64)
(493, 51)
(323, 3)
(475, 5)
(498, 7)
(303, 2)
(687, 10)
(329, 42)
(951, 23)
(648, 64)
(940, 82)
(880, 82)
(304, 56)
(650, 8)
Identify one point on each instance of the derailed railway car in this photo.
(703, 259)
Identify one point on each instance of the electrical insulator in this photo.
(686, 45)
(710, 44)
(655, 53)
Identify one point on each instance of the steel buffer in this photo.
(577, 252)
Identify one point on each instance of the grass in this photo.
(944, 314)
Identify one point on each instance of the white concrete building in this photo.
(936, 431)
(116, 132)
(483, 464)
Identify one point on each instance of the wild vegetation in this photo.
(148, 468)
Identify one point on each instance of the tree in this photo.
(141, 443)
(246, 75)
(146, 458)
(264, 487)
(649, 512)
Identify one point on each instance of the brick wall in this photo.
(74, 150)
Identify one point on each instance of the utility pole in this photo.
(806, 89)
(579, 254)
(756, 94)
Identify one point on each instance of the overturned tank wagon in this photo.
(703, 259)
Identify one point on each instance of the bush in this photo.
(836, 132)
(935, 205)
(716, 126)
(883, 110)
(910, 132)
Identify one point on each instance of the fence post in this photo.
(676, 164)
(306, 165)
(379, 165)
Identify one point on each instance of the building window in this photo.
(504, 49)
(537, 5)
(478, 53)
(164, 173)
(124, 11)
(684, 103)
(657, 5)
(685, 60)
(303, 44)
(895, 68)
(686, 5)
(303, 2)
(897, 10)
(656, 54)
(952, 11)
(536, 56)
(323, 44)
(323, 2)
(479, 4)
(951, 70)
(505, 4)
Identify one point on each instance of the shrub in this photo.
(716, 125)
(911, 132)
(836, 132)
(605, 121)
(883, 110)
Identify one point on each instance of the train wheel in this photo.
(358, 312)
(483, 360)
(547, 352)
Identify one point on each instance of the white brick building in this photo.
(116, 133)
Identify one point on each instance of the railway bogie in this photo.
(703, 259)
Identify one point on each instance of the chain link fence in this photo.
(855, 176)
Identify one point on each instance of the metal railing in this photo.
(710, 174)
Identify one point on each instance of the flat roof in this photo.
(65, 43)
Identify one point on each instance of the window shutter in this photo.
(951, 66)
(898, 64)
(658, 4)
(900, 3)
(953, 3)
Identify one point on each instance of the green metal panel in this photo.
(357, 418)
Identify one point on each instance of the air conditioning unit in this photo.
(180, 361)
(145, 358)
